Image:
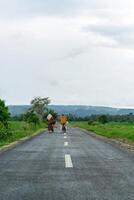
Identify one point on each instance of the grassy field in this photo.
(123, 131)
(20, 130)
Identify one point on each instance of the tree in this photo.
(31, 117)
(103, 119)
(4, 114)
(39, 105)
(4, 117)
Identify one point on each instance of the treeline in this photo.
(103, 118)
(23, 117)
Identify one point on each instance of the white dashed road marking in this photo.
(68, 161)
(65, 137)
(65, 143)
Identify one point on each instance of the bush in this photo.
(25, 126)
(4, 132)
(31, 117)
(103, 119)
(90, 122)
(4, 114)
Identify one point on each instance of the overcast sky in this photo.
(73, 51)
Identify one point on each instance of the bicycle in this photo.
(64, 128)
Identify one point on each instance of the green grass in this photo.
(20, 130)
(123, 131)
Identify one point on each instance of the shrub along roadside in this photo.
(18, 130)
(4, 131)
(123, 131)
(4, 117)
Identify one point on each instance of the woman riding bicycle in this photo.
(51, 122)
(63, 122)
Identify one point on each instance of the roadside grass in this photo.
(123, 131)
(21, 129)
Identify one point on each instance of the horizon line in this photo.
(115, 107)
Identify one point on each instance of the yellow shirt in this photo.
(63, 119)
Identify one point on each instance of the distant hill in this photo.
(78, 110)
(16, 110)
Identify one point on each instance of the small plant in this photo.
(25, 126)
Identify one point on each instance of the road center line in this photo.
(65, 143)
(65, 137)
(64, 133)
(68, 161)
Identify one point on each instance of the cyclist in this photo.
(63, 122)
(51, 123)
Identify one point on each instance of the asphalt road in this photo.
(75, 166)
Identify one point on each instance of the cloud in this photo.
(115, 26)
(65, 49)
(76, 52)
(54, 83)
(33, 8)
(61, 8)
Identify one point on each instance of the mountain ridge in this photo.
(78, 110)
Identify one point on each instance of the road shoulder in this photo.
(20, 141)
(126, 145)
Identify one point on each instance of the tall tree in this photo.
(39, 105)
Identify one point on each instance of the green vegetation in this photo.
(4, 114)
(26, 124)
(103, 118)
(20, 129)
(115, 130)
(4, 117)
(32, 117)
